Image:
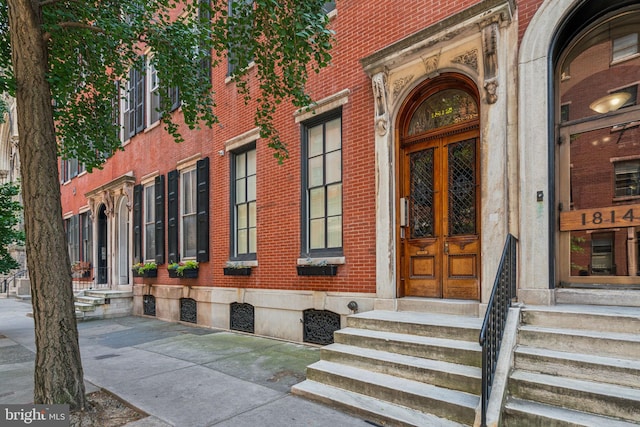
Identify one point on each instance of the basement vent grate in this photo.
(319, 326)
(188, 310)
(149, 305)
(242, 317)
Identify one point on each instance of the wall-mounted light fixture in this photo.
(610, 103)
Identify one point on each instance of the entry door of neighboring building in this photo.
(440, 233)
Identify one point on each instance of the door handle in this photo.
(404, 211)
(446, 248)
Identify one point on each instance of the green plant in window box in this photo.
(237, 269)
(317, 268)
(186, 269)
(145, 269)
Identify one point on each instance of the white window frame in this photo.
(188, 175)
(149, 220)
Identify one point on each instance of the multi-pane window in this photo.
(625, 46)
(149, 222)
(244, 204)
(188, 210)
(73, 238)
(154, 94)
(87, 237)
(602, 254)
(323, 148)
(70, 169)
(633, 95)
(239, 9)
(80, 242)
(627, 178)
(329, 6)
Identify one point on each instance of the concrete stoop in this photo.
(576, 365)
(401, 368)
(103, 304)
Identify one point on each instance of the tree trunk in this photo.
(58, 369)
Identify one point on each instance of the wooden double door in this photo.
(439, 208)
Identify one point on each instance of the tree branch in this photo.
(47, 36)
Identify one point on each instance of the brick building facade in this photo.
(345, 196)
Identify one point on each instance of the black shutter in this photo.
(172, 216)
(159, 192)
(137, 223)
(202, 204)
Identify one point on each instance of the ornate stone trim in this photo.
(400, 84)
(381, 119)
(469, 59)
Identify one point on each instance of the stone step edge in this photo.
(520, 406)
(408, 338)
(571, 384)
(604, 361)
(402, 385)
(406, 360)
(366, 406)
(418, 318)
(583, 333)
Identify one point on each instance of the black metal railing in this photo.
(90, 278)
(504, 290)
(8, 281)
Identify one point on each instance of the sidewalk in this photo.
(180, 375)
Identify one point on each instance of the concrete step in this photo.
(623, 345)
(518, 413)
(436, 305)
(588, 317)
(439, 373)
(90, 300)
(84, 307)
(448, 350)
(423, 324)
(611, 370)
(599, 297)
(441, 402)
(586, 396)
(108, 293)
(374, 411)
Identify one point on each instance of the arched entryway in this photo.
(438, 190)
(122, 245)
(102, 259)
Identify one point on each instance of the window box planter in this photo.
(317, 270)
(190, 273)
(146, 273)
(242, 271)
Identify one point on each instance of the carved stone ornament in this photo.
(431, 64)
(107, 199)
(400, 84)
(379, 83)
(469, 58)
(127, 189)
(491, 87)
(490, 46)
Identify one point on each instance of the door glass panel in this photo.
(462, 188)
(603, 201)
(421, 198)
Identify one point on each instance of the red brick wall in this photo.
(361, 28)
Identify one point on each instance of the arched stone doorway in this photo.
(438, 184)
(102, 261)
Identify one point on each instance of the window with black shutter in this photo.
(159, 215)
(172, 216)
(137, 223)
